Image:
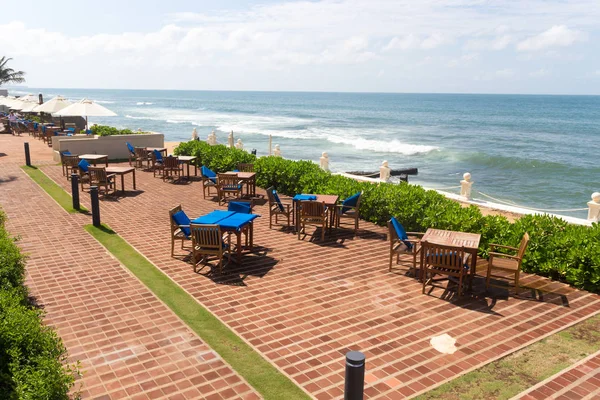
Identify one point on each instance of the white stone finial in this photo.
(194, 134)
(277, 151)
(139, 129)
(594, 207)
(212, 138)
(384, 171)
(324, 161)
(239, 145)
(465, 186)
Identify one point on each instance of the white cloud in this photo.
(505, 73)
(557, 36)
(464, 60)
(540, 73)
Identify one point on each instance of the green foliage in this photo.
(31, 354)
(559, 250)
(104, 130)
(218, 158)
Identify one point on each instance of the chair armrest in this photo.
(493, 246)
(494, 254)
(418, 234)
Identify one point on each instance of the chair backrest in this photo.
(171, 162)
(228, 181)
(244, 207)
(97, 175)
(130, 148)
(274, 199)
(245, 167)
(352, 202)
(70, 160)
(523, 246)
(157, 156)
(206, 237)
(141, 153)
(312, 209)
(84, 166)
(449, 258)
(173, 211)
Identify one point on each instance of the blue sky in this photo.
(459, 46)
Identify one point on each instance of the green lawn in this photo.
(56, 192)
(265, 378)
(510, 375)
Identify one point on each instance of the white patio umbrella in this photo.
(85, 108)
(53, 105)
(29, 106)
(29, 97)
(230, 140)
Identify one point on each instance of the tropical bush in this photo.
(104, 130)
(562, 251)
(31, 353)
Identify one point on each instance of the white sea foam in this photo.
(288, 127)
(143, 103)
(104, 101)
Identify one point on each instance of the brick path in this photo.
(129, 343)
(303, 304)
(580, 381)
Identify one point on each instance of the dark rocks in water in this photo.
(395, 172)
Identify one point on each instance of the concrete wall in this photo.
(113, 146)
(3, 92)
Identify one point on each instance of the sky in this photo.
(424, 46)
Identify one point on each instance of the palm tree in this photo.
(8, 75)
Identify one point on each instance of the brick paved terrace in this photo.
(129, 343)
(302, 303)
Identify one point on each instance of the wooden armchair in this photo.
(180, 227)
(229, 186)
(313, 213)
(278, 208)
(131, 153)
(449, 261)
(172, 168)
(141, 157)
(70, 164)
(208, 180)
(99, 177)
(506, 262)
(208, 240)
(402, 242)
(349, 209)
(245, 167)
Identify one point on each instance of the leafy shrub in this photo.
(31, 354)
(559, 250)
(104, 130)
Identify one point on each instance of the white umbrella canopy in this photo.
(54, 105)
(17, 104)
(29, 106)
(29, 97)
(85, 108)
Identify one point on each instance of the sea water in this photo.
(534, 151)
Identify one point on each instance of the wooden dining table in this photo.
(94, 158)
(248, 179)
(187, 160)
(330, 201)
(122, 171)
(470, 242)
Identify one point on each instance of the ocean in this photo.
(529, 150)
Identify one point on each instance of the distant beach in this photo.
(533, 151)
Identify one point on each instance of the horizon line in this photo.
(304, 91)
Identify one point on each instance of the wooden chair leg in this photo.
(323, 231)
(517, 283)
(489, 273)
(173, 247)
(391, 259)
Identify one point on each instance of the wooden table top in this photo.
(186, 158)
(452, 238)
(93, 156)
(242, 175)
(119, 170)
(156, 148)
(328, 199)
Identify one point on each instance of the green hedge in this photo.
(31, 354)
(104, 130)
(570, 253)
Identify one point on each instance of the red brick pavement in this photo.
(580, 381)
(129, 343)
(303, 304)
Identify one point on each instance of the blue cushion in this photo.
(305, 197)
(66, 153)
(159, 157)
(401, 232)
(350, 202)
(277, 200)
(208, 173)
(83, 165)
(130, 147)
(180, 219)
(71, 129)
(239, 207)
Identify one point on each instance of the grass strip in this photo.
(510, 375)
(56, 192)
(263, 376)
